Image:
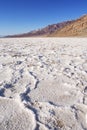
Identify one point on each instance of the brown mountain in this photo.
(50, 29)
(71, 28)
(76, 28)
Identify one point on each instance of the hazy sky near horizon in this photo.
(18, 16)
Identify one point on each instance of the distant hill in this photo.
(44, 31)
(71, 28)
(76, 28)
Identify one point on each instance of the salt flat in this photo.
(43, 84)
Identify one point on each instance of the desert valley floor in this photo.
(43, 84)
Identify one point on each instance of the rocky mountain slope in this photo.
(44, 31)
(71, 28)
(76, 28)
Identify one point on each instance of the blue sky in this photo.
(17, 16)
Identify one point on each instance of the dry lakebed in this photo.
(43, 84)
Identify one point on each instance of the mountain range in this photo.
(71, 28)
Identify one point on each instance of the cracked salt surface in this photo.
(43, 84)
